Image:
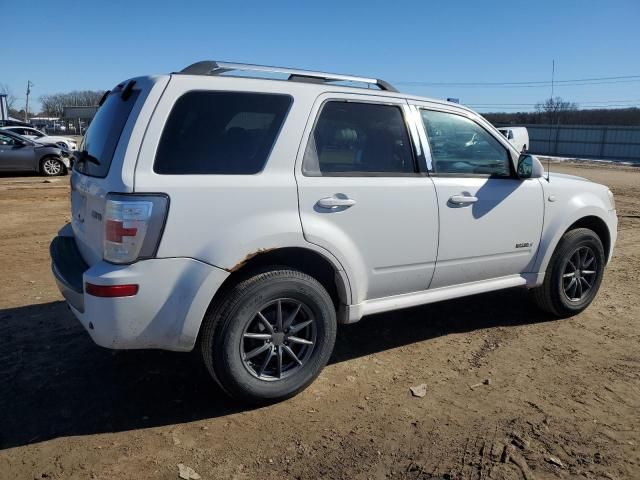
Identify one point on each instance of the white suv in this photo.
(247, 216)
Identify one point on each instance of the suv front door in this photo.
(361, 196)
(490, 220)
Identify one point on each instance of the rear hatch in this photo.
(105, 161)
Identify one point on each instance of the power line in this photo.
(506, 85)
(591, 107)
(527, 84)
(580, 102)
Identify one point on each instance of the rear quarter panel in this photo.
(224, 220)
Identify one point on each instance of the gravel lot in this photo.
(560, 399)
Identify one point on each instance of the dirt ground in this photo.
(562, 398)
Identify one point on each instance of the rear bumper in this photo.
(68, 267)
(166, 313)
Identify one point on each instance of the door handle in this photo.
(463, 199)
(336, 202)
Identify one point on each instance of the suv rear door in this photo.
(106, 158)
(361, 196)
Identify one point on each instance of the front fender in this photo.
(560, 216)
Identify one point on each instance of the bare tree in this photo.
(53, 104)
(11, 98)
(555, 106)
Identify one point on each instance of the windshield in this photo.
(102, 136)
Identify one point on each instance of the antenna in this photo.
(553, 72)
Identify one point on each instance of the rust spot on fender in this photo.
(248, 257)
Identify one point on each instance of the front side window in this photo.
(460, 146)
(359, 138)
(7, 140)
(222, 133)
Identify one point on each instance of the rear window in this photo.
(224, 133)
(102, 136)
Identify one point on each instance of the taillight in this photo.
(133, 225)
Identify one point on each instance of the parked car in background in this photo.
(41, 137)
(517, 136)
(20, 154)
(246, 217)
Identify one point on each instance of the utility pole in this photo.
(26, 108)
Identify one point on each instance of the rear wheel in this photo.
(574, 274)
(269, 336)
(52, 167)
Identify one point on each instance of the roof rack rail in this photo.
(210, 67)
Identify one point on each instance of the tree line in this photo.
(52, 104)
(558, 111)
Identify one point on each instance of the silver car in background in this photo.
(41, 137)
(19, 154)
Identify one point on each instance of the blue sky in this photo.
(95, 44)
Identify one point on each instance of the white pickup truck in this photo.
(517, 136)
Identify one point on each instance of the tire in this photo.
(559, 295)
(52, 167)
(228, 347)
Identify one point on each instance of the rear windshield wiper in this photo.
(84, 156)
(104, 97)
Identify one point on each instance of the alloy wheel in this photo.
(278, 340)
(579, 274)
(52, 167)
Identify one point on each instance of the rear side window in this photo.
(352, 138)
(223, 133)
(102, 136)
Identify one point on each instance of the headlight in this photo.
(612, 199)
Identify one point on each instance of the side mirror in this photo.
(529, 167)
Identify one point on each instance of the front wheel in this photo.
(574, 274)
(268, 337)
(52, 167)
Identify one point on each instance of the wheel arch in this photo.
(591, 218)
(599, 227)
(321, 267)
